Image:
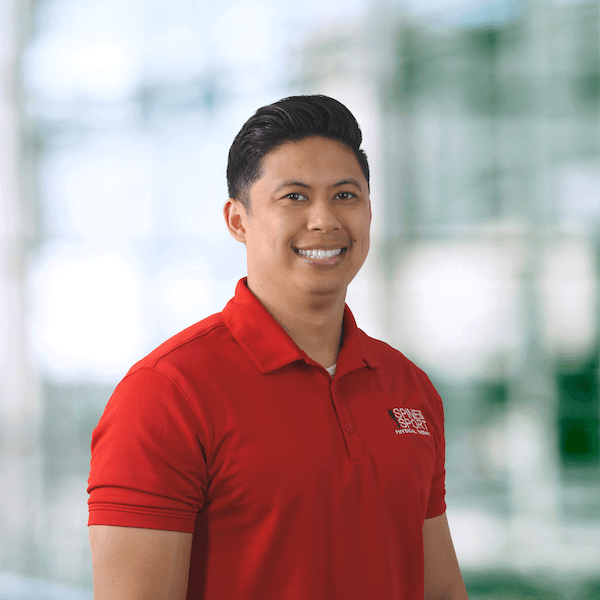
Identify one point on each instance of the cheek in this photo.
(362, 232)
(365, 244)
(269, 241)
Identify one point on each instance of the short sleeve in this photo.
(147, 467)
(437, 496)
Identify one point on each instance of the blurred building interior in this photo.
(481, 121)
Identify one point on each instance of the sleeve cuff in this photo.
(135, 516)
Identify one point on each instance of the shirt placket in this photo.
(345, 421)
(354, 445)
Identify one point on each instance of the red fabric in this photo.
(295, 485)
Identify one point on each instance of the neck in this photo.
(314, 323)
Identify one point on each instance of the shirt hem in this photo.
(150, 520)
(436, 509)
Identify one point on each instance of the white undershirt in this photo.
(331, 370)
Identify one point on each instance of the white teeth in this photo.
(319, 254)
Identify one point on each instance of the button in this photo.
(349, 427)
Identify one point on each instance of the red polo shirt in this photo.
(295, 485)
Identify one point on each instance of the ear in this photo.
(235, 217)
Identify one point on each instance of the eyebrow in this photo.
(292, 182)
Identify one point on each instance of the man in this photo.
(274, 450)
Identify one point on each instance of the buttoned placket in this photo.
(354, 445)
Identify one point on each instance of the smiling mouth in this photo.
(318, 254)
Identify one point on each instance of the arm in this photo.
(139, 564)
(443, 580)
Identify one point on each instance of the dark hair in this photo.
(289, 119)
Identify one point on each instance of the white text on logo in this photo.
(410, 420)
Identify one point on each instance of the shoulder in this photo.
(387, 355)
(394, 363)
(201, 338)
(167, 381)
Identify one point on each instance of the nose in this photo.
(322, 217)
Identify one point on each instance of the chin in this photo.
(326, 288)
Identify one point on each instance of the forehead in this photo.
(313, 157)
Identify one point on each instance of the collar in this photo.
(271, 348)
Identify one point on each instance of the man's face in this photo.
(307, 229)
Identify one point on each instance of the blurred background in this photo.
(481, 120)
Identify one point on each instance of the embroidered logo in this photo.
(410, 420)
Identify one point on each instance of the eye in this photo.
(295, 196)
(345, 195)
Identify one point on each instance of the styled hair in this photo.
(290, 119)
